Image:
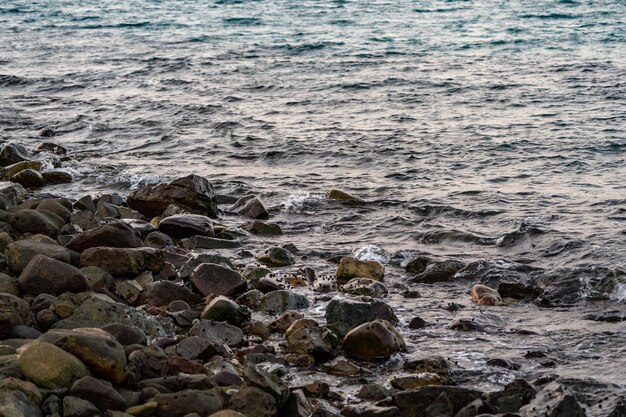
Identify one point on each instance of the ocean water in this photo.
(479, 130)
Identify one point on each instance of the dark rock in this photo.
(180, 404)
(203, 242)
(614, 316)
(251, 299)
(256, 376)
(50, 146)
(11, 194)
(431, 364)
(186, 225)
(12, 153)
(253, 402)
(224, 309)
(553, 401)
(158, 240)
(99, 393)
(24, 332)
(282, 300)
(123, 261)
(344, 315)
(432, 400)
(114, 235)
(369, 410)
(85, 203)
(418, 265)
(514, 395)
(29, 178)
(57, 176)
(275, 256)
(37, 222)
(161, 293)
(49, 276)
(192, 192)
(296, 405)
(250, 206)
(373, 392)
(258, 227)
(408, 382)
(17, 404)
(55, 206)
(203, 258)
(285, 321)
(217, 333)
(13, 312)
(439, 271)
(126, 335)
(77, 407)
(365, 287)
(373, 341)
(318, 342)
(417, 323)
(30, 390)
(519, 290)
(217, 280)
(84, 219)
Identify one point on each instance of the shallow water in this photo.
(473, 129)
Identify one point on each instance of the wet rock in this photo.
(484, 295)
(203, 258)
(373, 392)
(126, 335)
(13, 312)
(129, 290)
(256, 376)
(97, 278)
(30, 390)
(614, 316)
(353, 268)
(85, 203)
(514, 395)
(192, 192)
(344, 315)
(18, 167)
(339, 195)
(186, 225)
(251, 299)
(365, 287)
(180, 404)
(374, 340)
(57, 176)
(253, 402)
(113, 235)
(519, 290)
(250, 206)
(8, 285)
(285, 321)
(86, 220)
(158, 240)
(217, 280)
(99, 351)
(77, 407)
(99, 393)
(439, 271)
(17, 404)
(13, 153)
(141, 227)
(282, 300)
(230, 413)
(275, 256)
(268, 284)
(49, 366)
(223, 309)
(434, 401)
(258, 227)
(21, 252)
(123, 261)
(162, 293)
(203, 242)
(300, 360)
(49, 276)
(296, 405)
(318, 342)
(37, 222)
(479, 322)
(340, 366)
(54, 206)
(217, 333)
(417, 323)
(416, 381)
(11, 194)
(29, 178)
(553, 401)
(369, 410)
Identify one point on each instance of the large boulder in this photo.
(217, 280)
(20, 253)
(434, 401)
(375, 340)
(553, 401)
(13, 312)
(350, 267)
(49, 276)
(37, 222)
(49, 366)
(186, 225)
(344, 315)
(192, 192)
(125, 262)
(114, 235)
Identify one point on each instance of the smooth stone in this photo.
(77, 407)
(84, 219)
(204, 242)
(297, 405)
(17, 404)
(8, 285)
(114, 235)
(251, 206)
(49, 276)
(85, 203)
(24, 332)
(182, 403)
(228, 413)
(553, 401)
(374, 340)
(123, 261)
(203, 258)
(258, 227)
(416, 381)
(483, 295)
(275, 256)
(350, 267)
(224, 309)
(256, 376)
(13, 169)
(318, 342)
(251, 299)
(97, 278)
(339, 195)
(11, 194)
(217, 280)
(126, 335)
(518, 290)
(162, 293)
(21, 252)
(29, 178)
(158, 240)
(57, 176)
(186, 225)
(217, 333)
(99, 393)
(512, 397)
(365, 287)
(50, 146)
(426, 401)
(282, 300)
(369, 410)
(13, 312)
(29, 389)
(439, 271)
(192, 191)
(253, 402)
(54, 206)
(285, 321)
(13, 153)
(343, 315)
(37, 222)
(49, 366)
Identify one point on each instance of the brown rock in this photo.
(374, 340)
(217, 280)
(353, 268)
(13, 312)
(49, 366)
(123, 261)
(49, 276)
(186, 225)
(21, 252)
(162, 293)
(484, 295)
(114, 235)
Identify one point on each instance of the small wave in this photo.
(298, 203)
(12, 80)
(129, 180)
(243, 21)
(372, 253)
(555, 16)
(429, 210)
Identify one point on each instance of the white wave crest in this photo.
(372, 253)
(297, 203)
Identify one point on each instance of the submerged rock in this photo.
(484, 295)
(353, 268)
(373, 341)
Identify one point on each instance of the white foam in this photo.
(372, 253)
(620, 293)
(131, 180)
(296, 203)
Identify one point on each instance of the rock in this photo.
(203, 242)
(228, 413)
(182, 403)
(253, 402)
(203, 258)
(344, 315)
(484, 295)
(373, 392)
(11, 194)
(553, 401)
(161, 293)
(49, 276)
(126, 335)
(57, 176)
(77, 407)
(416, 381)
(250, 206)
(285, 321)
(142, 410)
(50, 146)
(37, 222)
(373, 341)
(369, 410)
(54, 206)
(158, 240)
(99, 393)
(13, 153)
(439, 271)
(282, 300)
(113, 235)
(85, 203)
(8, 285)
(86, 220)
(123, 261)
(99, 351)
(13, 169)
(318, 342)
(519, 290)
(297, 405)
(514, 395)
(217, 280)
(217, 333)
(30, 390)
(275, 256)
(268, 284)
(365, 287)
(479, 322)
(16, 404)
(434, 401)
(49, 366)
(340, 366)
(223, 309)
(192, 192)
(29, 178)
(21, 252)
(417, 323)
(186, 225)
(97, 278)
(256, 376)
(13, 312)
(258, 227)
(353, 268)
(339, 195)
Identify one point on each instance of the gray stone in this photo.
(17, 404)
(344, 315)
(186, 225)
(113, 235)
(162, 293)
(33, 221)
(275, 256)
(127, 262)
(21, 252)
(374, 340)
(250, 206)
(217, 280)
(13, 312)
(217, 333)
(282, 300)
(49, 276)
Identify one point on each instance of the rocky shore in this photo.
(177, 301)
